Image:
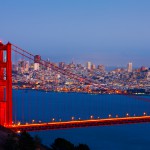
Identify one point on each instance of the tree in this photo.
(26, 142)
(37, 142)
(11, 142)
(62, 144)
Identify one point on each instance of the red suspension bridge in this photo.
(6, 103)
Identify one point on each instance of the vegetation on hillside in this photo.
(24, 141)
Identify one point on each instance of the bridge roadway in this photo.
(79, 123)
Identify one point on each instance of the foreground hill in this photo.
(12, 141)
(4, 133)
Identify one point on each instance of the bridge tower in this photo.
(5, 85)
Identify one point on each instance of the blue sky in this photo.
(109, 32)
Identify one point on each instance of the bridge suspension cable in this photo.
(81, 79)
(56, 68)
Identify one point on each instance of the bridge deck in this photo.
(79, 123)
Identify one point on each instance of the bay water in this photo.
(32, 105)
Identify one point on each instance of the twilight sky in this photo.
(109, 32)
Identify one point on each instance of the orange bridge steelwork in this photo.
(6, 103)
(79, 123)
(5, 84)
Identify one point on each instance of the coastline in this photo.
(93, 93)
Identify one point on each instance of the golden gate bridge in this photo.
(6, 103)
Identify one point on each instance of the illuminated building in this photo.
(89, 64)
(26, 68)
(101, 68)
(93, 67)
(61, 64)
(129, 67)
(148, 75)
(143, 68)
(36, 66)
(37, 59)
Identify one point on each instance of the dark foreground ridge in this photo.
(12, 141)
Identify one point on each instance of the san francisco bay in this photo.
(39, 106)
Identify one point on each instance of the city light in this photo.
(18, 131)
(72, 118)
(19, 123)
(66, 81)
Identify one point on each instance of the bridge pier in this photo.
(5, 85)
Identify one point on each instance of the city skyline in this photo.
(109, 33)
(87, 65)
(83, 63)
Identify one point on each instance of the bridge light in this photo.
(53, 119)
(134, 115)
(91, 117)
(144, 113)
(60, 119)
(116, 116)
(79, 118)
(109, 115)
(127, 115)
(40, 121)
(19, 123)
(72, 118)
(33, 121)
(98, 117)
